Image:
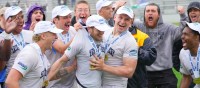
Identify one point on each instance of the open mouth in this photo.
(67, 25)
(37, 20)
(150, 18)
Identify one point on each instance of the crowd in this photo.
(103, 50)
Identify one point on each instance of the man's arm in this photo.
(13, 78)
(147, 53)
(127, 70)
(59, 46)
(65, 71)
(185, 82)
(56, 66)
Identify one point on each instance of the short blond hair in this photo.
(36, 37)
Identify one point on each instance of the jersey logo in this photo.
(69, 48)
(111, 51)
(14, 49)
(43, 73)
(23, 66)
(133, 53)
(92, 52)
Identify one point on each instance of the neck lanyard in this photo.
(20, 43)
(65, 39)
(195, 68)
(107, 45)
(44, 74)
(97, 50)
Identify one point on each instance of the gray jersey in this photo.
(82, 49)
(19, 41)
(66, 81)
(186, 67)
(125, 46)
(32, 65)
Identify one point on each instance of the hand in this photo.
(119, 3)
(97, 63)
(77, 26)
(10, 24)
(180, 9)
(32, 26)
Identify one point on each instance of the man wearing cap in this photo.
(189, 55)
(61, 16)
(85, 45)
(19, 37)
(120, 52)
(105, 9)
(31, 65)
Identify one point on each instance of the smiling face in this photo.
(189, 38)
(37, 15)
(82, 11)
(63, 22)
(49, 38)
(122, 22)
(20, 22)
(194, 14)
(151, 16)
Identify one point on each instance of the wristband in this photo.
(7, 36)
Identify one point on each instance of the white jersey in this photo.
(82, 49)
(32, 65)
(68, 80)
(19, 42)
(186, 67)
(124, 46)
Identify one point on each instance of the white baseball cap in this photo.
(61, 10)
(11, 11)
(46, 26)
(125, 10)
(194, 26)
(102, 3)
(98, 22)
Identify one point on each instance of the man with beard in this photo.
(19, 37)
(31, 64)
(121, 52)
(85, 45)
(189, 55)
(163, 35)
(61, 16)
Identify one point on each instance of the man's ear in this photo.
(43, 36)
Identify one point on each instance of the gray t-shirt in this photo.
(32, 65)
(82, 49)
(125, 46)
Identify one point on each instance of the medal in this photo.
(106, 57)
(45, 84)
(196, 80)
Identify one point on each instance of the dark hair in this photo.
(82, 2)
(153, 4)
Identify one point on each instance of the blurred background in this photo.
(168, 7)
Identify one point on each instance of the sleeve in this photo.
(147, 53)
(75, 46)
(183, 69)
(25, 62)
(131, 48)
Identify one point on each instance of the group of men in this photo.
(108, 50)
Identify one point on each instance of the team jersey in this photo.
(82, 49)
(186, 66)
(19, 42)
(118, 48)
(32, 65)
(66, 81)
